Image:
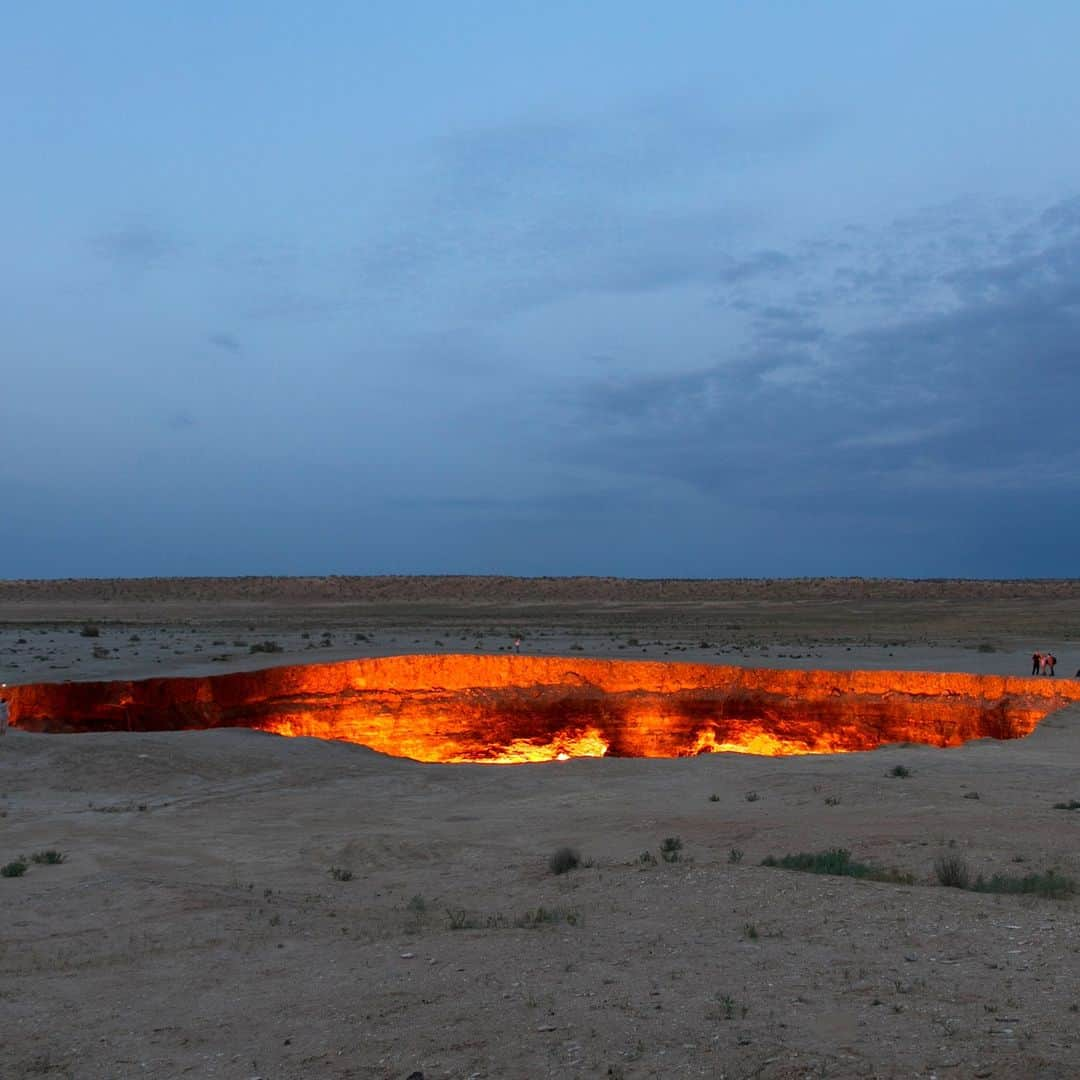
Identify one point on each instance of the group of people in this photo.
(1042, 663)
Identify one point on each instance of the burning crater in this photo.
(509, 709)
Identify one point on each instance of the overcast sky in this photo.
(697, 289)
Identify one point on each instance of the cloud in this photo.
(624, 201)
(978, 396)
(759, 264)
(225, 342)
(136, 246)
(180, 420)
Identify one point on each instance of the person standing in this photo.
(1036, 663)
(1051, 663)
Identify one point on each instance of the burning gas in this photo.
(513, 709)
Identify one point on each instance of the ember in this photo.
(513, 709)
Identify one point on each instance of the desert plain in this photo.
(235, 904)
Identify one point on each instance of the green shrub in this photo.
(1052, 885)
(837, 861)
(340, 873)
(899, 770)
(16, 868)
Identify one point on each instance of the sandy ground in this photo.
(199, 924)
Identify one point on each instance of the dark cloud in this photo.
(968, 410)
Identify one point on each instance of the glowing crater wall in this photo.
(520, 708)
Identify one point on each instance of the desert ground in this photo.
(235, 904)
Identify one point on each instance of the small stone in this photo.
(407, 955)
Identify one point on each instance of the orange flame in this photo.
(513, 709)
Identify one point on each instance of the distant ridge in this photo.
(497, 589)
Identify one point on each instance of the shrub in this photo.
(460, 919)
(735, 855)
(1052, 885)
(647, 858)
(50, 857)
(899, 770)
(837, 861)
(340, 873)
(1072, 804)
(90, 630)
(265, 646)
(752, 796)
(670, 849)
(15, 868)
(714, 797)
(952, 871)
(563, 860)
(546, 916)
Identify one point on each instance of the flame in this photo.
(515, 709)
(751, 742)
(422, 747)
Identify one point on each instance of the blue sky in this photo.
(695, 290)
